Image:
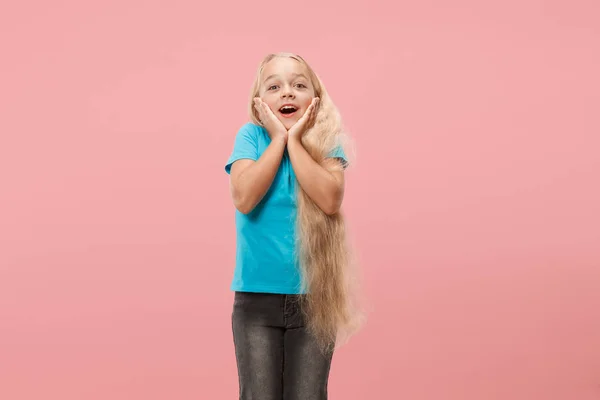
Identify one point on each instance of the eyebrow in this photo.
(295, 76)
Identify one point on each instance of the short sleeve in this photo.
(244, 147)
(338, 152)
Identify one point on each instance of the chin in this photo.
(287, 123)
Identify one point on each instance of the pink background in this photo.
(474, 200)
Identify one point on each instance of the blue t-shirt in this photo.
(266, 260)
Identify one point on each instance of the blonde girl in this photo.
(291, 278)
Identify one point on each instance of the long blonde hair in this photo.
(328, 277)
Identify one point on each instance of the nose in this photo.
(287, 91)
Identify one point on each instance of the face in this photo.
(287, 89)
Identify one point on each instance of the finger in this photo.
(311, 112)
(257, 104)
(304, 117)
(260, 116)
(312, 118)
(258, 110)
(313, 115)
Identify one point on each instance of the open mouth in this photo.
(288, 110)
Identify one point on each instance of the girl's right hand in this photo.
(273, 125)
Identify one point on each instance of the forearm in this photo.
(254, 181)
(322, 186)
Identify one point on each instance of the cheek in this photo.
(306, 102)
(272, 104)
(267, 97)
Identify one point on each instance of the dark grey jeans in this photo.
(277, 359)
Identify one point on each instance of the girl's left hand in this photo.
(298, 129)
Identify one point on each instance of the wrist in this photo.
(294, 142)
(294, 139)
(280, 138)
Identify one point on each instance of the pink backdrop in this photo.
(474, 200)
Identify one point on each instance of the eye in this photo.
(301, 85)
(272, 87)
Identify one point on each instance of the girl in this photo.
(292, 293)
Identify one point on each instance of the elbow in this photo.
(244, 210)
(331, 211)
(334, 203)
(241, 202)
(332, 208)
(244, 206)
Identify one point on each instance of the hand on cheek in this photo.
(305, 122)
(271, 123)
